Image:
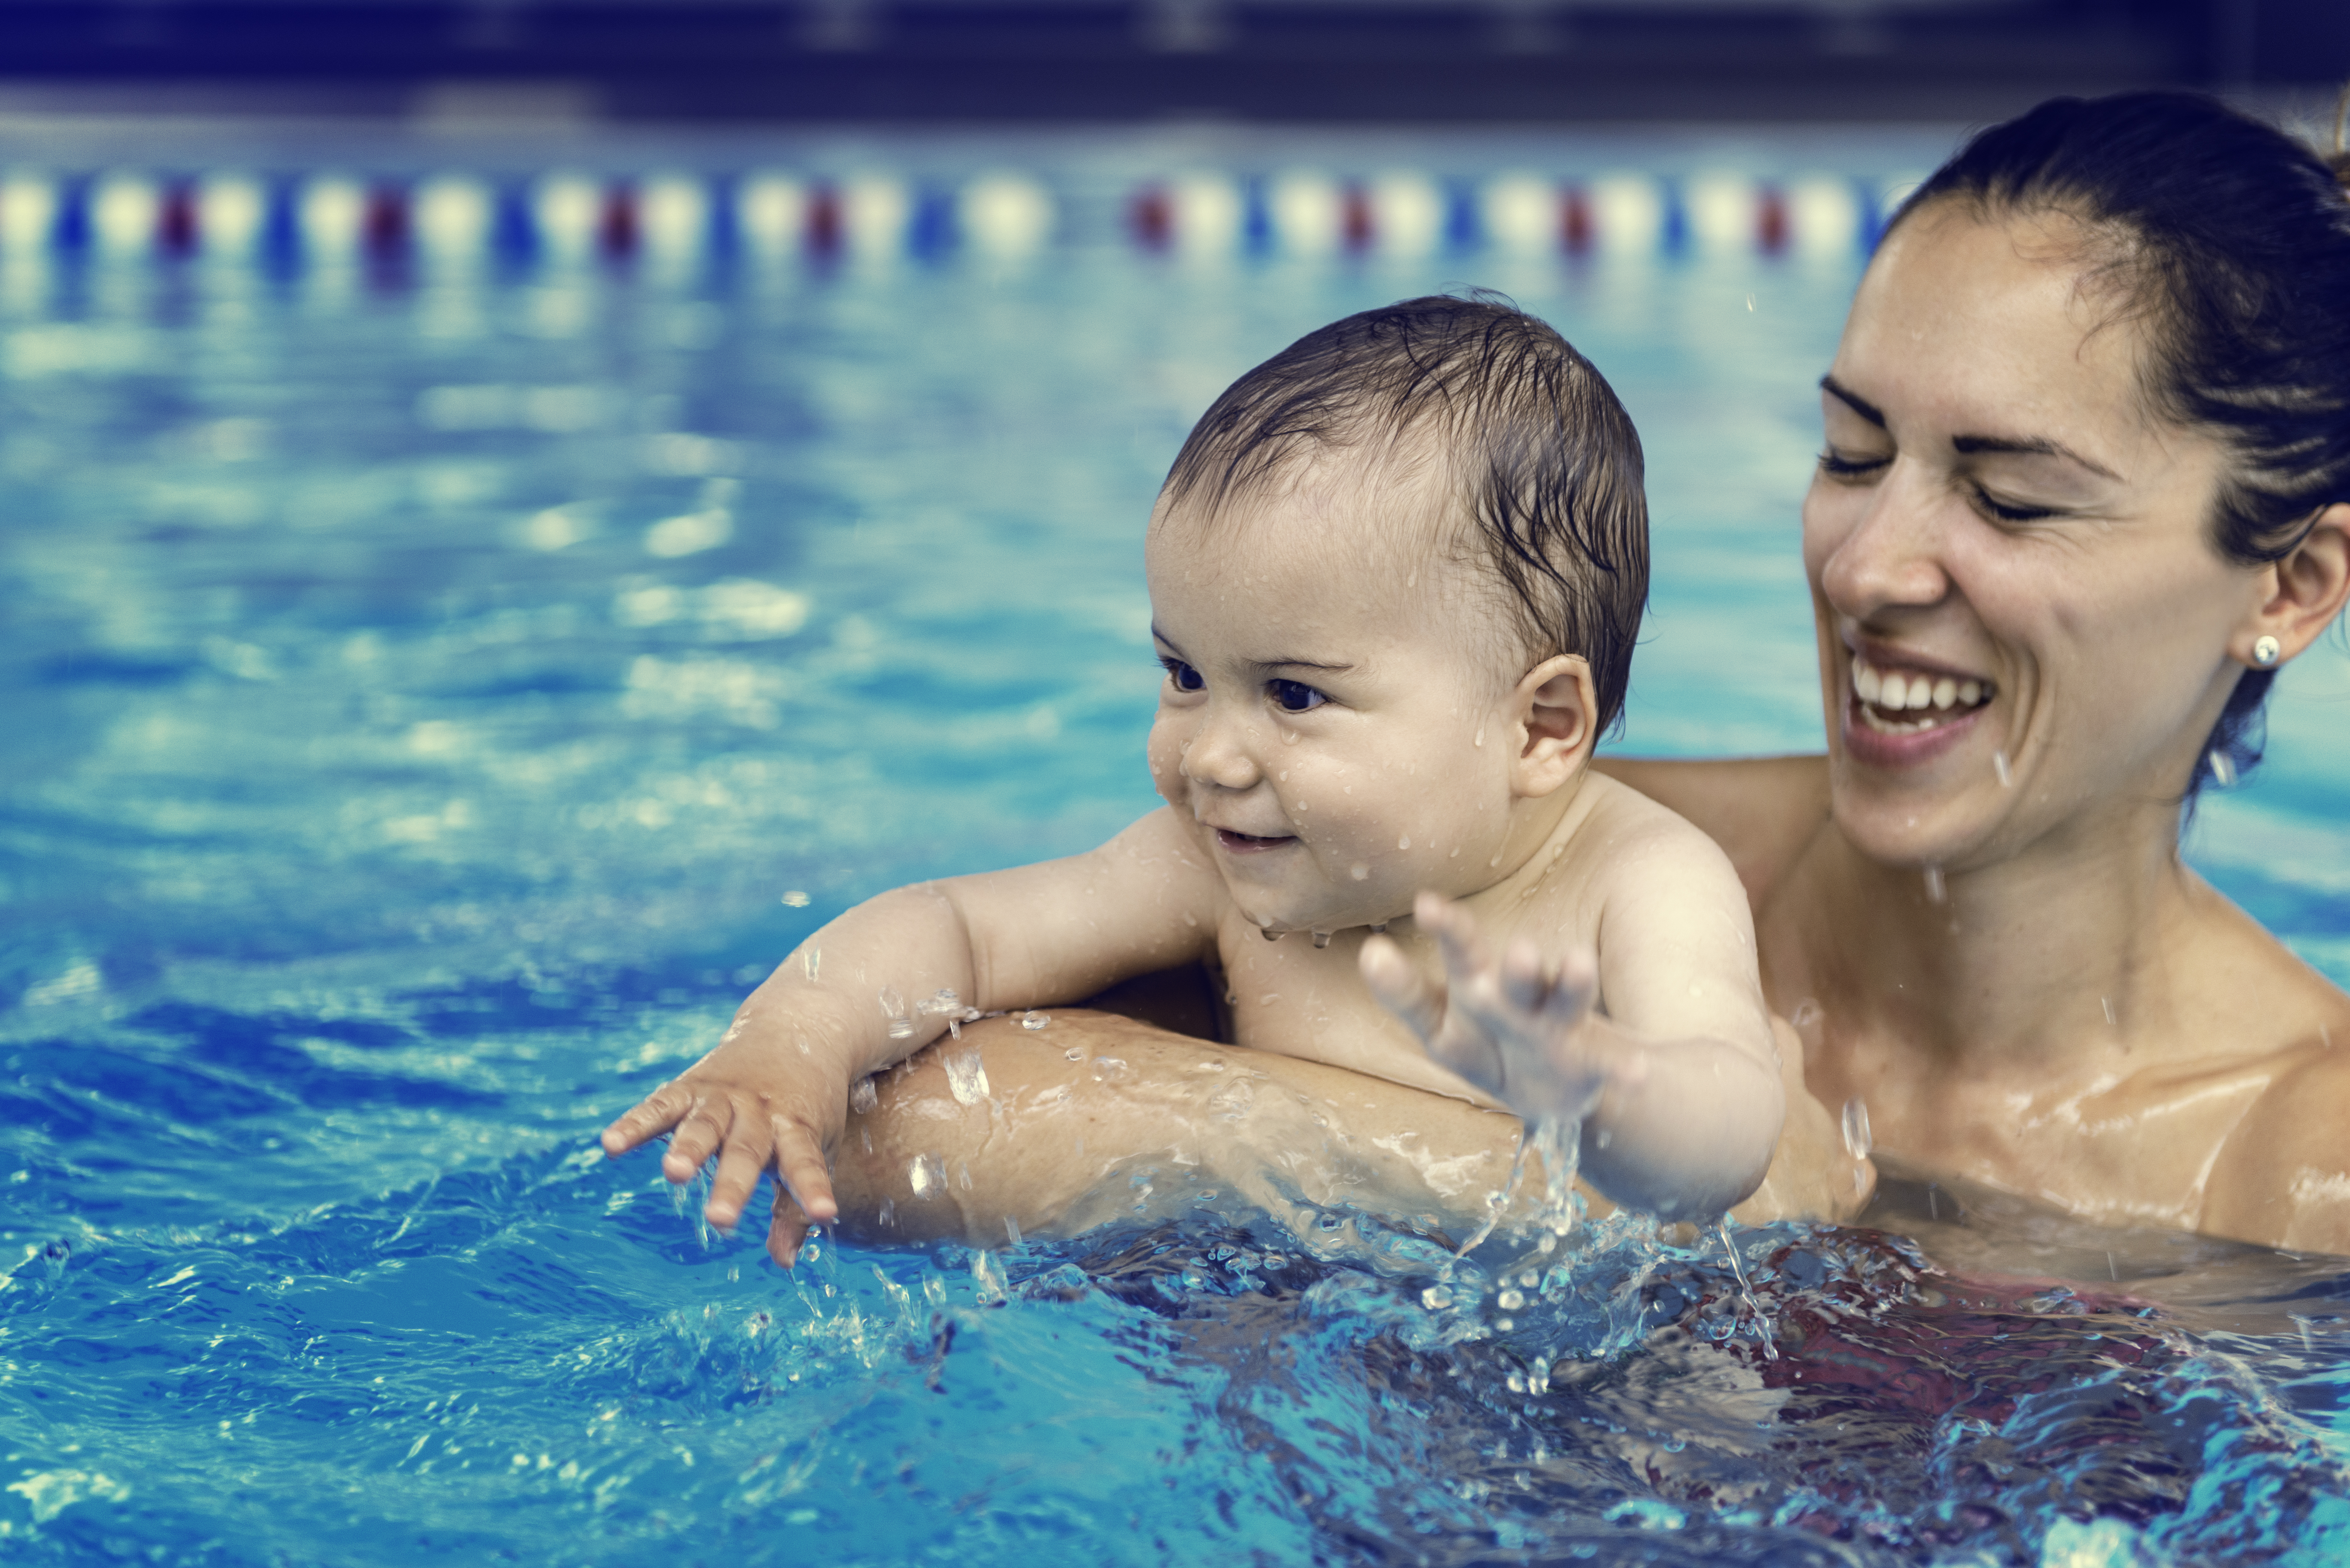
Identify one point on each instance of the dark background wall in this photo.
(1328, 60)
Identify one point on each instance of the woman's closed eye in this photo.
(1181, 675)
(1840, 465)
(1999, 511)
(1293, 696)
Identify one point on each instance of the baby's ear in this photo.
(1554, 704)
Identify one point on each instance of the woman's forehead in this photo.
(1968, 317)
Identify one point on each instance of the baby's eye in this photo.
(1185, 678)
(1295, 696)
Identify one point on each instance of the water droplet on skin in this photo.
(1360, 871)
(1480, 736)
(2108, 1003)
(1379, 928)
(1999, 766)
(1289, 737)
(1321, 939)
(1033, 1020)
(1405, 842)
(1074, 1054)
(809, 959)
(1934, 891)
(966, 1077)
(1855, 1128)
(863, 1096)
(1269, 934)
(1496, 860)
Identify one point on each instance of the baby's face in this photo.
(1335, 716)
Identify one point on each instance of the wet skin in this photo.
(2079, 1018)
(2061, 1009)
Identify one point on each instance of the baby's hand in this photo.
(1521, 1028)
(754, 1106)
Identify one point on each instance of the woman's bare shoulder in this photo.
(2283, 1177)
(1763, 811)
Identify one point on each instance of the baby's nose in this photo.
(1219, 755)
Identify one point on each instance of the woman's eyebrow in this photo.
(1969, 444)
(1853, 401)
(2034, 447)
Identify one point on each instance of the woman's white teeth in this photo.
(1883, 693)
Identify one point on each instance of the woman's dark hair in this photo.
(2231, 240)
(1545, 459)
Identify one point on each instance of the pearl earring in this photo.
(2264, 652)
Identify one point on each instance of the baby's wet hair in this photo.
(1542, 457)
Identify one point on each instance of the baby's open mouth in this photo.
(1245, 843)
(1903, 702)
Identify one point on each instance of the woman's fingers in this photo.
(1400, 988)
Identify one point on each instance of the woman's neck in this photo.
(2051, 959)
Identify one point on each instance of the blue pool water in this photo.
(432, 700)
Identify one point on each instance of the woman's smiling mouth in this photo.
(1896, 701)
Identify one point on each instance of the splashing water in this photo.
(893, 1008)
(966, 1076)
(1855, 1127)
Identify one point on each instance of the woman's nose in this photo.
(1892, 557)
(1219, 752)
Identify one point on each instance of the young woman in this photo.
(2085, 488)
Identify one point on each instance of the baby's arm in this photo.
(847, 1003)
(1676, 1082)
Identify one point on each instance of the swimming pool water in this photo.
(432, 700)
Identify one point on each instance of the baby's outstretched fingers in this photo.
(698, 1137)
(801, 1166)
(1400, 988)
(647, 1118)
(739, 1165)
(786, 1228)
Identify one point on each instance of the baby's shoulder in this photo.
(1618, 850)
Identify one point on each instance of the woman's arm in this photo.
(1761, 810)
(1083, 1121)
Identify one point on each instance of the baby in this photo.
(1394, 577)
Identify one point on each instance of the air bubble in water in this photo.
(1510, 1300)
(1034, 1020)
(1436, 1298)
(1934, 891)
(1855, 1127)
(1321, 939)
(863, 1096)
(1999, 766)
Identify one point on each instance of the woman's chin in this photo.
(1920, 798)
